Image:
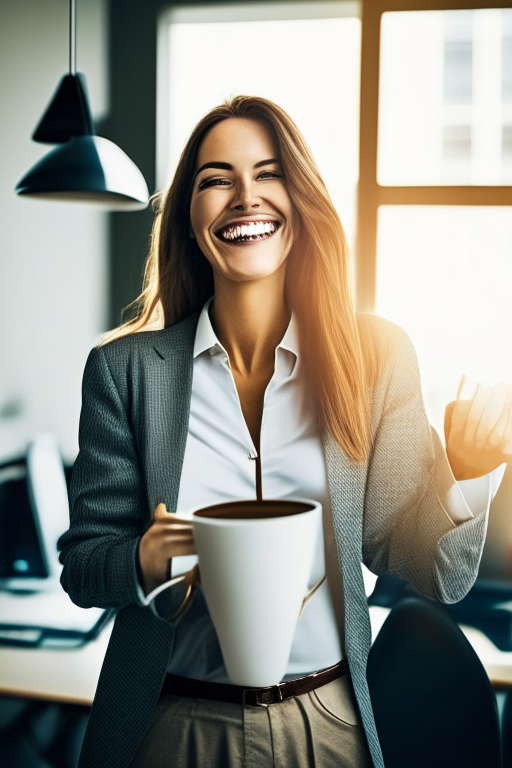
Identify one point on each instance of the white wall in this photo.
(53, 266)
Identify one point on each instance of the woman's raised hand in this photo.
(478, 432)
(168, 536)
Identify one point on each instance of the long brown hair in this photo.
(178, 279)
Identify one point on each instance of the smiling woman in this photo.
(266, 169)
(245, 374)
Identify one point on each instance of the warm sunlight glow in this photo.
(445, 275)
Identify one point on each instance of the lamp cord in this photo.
(72, 37)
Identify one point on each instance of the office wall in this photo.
(53, 256)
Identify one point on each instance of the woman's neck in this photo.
(250, 319)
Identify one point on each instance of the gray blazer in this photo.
(387, 512)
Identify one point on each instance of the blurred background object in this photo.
(37, 615)
(34, 512)
(432, 700)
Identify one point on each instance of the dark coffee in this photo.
(252, 510)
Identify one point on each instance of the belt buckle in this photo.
(245, 693)
(273, 694)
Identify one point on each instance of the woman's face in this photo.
(240, 211)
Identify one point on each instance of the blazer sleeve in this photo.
(108, 503)
(407, 529)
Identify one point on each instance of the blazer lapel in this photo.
(347, 483)
(166, 404)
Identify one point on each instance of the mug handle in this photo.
(310, 594)
(192, 578)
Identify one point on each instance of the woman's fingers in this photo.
(173, 535)
(479, 431)
(503, 431)
(160, 512)
(456, 418)
(490, 416)
(163, 515)
(178, 547)
(175, 520)
(476, 405)
(175, 530)
(169, 536)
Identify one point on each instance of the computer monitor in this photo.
(34, 512)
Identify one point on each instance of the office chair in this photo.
(506, 732)
(432, 699)
(40, 734)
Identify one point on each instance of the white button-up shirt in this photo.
(219, 466)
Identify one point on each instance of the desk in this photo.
(67, 675)
(71, 675)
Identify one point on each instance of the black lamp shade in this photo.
(67, 114)
(84, 167)
(88, 169)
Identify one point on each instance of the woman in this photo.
(276, 369)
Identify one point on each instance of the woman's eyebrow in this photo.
(222, 166)
(266, 162)
(229, 167)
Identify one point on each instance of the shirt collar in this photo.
(205, 335)
(207, 340)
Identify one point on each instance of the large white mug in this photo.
(255, 561)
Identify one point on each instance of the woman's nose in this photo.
(245, 197)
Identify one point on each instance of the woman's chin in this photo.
(250, 264)
(252, 273)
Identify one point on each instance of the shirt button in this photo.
(252, 455)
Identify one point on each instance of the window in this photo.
(444, 273)
(434, 248)
(444, 86)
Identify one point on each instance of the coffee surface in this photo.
(252, 510)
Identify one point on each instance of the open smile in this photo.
(249, 232)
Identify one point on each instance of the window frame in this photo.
(371, 195)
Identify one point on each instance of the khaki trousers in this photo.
(320, 729)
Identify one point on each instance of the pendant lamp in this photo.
(84, 167)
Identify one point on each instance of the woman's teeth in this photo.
(255, 230)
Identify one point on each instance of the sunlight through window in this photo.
(446, 97)
(445, 275)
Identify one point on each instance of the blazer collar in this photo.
(177, 338)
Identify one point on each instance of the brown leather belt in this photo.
(236, 694)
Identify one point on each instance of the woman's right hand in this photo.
(168, 536)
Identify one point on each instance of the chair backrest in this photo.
(506, 731)
(432, 700)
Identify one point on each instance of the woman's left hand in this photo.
(478, 432)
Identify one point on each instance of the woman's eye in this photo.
(212, 183)
(222, 182)
(269, 175)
